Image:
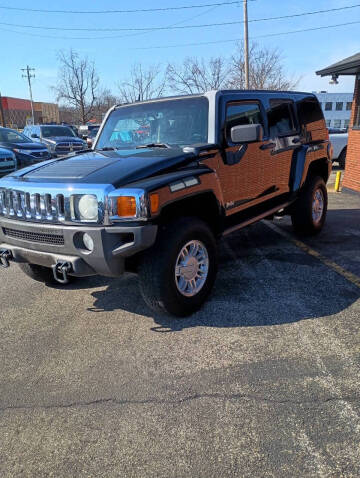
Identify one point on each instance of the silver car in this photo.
(8, 162)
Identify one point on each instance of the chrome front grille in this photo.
(67, 147)
(42, 238)
(32, 206)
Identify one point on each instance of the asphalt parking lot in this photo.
(263, 382)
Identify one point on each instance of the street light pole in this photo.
(246, 45)
(29, 75)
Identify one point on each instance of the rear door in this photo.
(284, 134)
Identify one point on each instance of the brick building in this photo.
(350, 66)
(16, 112)
(46, 112)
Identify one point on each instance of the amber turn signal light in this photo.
(154, 203)
(126, 206)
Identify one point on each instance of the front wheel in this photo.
(309, 213)
(179, 271)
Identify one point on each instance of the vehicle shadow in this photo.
(263, 280)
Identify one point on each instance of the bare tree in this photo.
(266, 70)
(196, 75)
(142, 84)
(104, 101)
(77, 84)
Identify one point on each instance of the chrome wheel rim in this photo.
(318, 206)
(192, 268)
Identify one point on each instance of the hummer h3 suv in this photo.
(165, 180)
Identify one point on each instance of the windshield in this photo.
(175, 122)
(11, 136)
(93, 132)
(54, 131)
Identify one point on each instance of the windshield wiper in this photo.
(153, 145)
(107, 148)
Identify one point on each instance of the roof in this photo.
(348, 66)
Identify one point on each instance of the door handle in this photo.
(268, 146)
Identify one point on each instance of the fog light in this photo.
(88, 242)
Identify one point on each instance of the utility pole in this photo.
(2, 112)
(246, 45)
(30, 75)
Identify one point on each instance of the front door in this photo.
(246, 171)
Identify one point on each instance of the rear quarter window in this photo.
(311, 118)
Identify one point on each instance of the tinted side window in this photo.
(280, 119)
(309, 111)
(242, 114)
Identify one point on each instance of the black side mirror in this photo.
(34, 136)
(247, 133)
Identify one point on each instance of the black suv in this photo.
(165, 179)
(60, 140)
(27, 152)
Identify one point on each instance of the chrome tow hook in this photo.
(61, 271)
(5, 257)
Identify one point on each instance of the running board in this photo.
(256, 218)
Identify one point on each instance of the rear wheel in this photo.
(309, 213)
(178, 272)
(40, 274)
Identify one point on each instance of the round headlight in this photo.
(88, 208)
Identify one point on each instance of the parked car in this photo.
(91, 136)
(8, 163)
(60, 140)
(156, 204)
(339, 142)
(27, 152)
(84, 130)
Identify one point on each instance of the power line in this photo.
(234, 40)
(179, 27)
(181, 44)
(139, 10)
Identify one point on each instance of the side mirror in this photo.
(247, 133)
(34, 136)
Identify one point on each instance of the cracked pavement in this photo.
(262, 382)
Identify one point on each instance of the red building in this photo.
(16, 111)
(346, 67)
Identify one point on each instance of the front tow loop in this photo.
(61, 271)
(5, 258)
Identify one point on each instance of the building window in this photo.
(337, 123)
(348, 106)
(328, 106)
(346, 123)
(328, 123)
(339, 106)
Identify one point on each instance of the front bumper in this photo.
(112, 245)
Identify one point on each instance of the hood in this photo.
(62, 139)
(111, 167)
(31, 146)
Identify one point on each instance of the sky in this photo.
(302, 53)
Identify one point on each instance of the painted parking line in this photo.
(354, 279)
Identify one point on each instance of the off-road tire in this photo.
(302, 212)
(342, 158)
(41, 274)
(157, 267)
